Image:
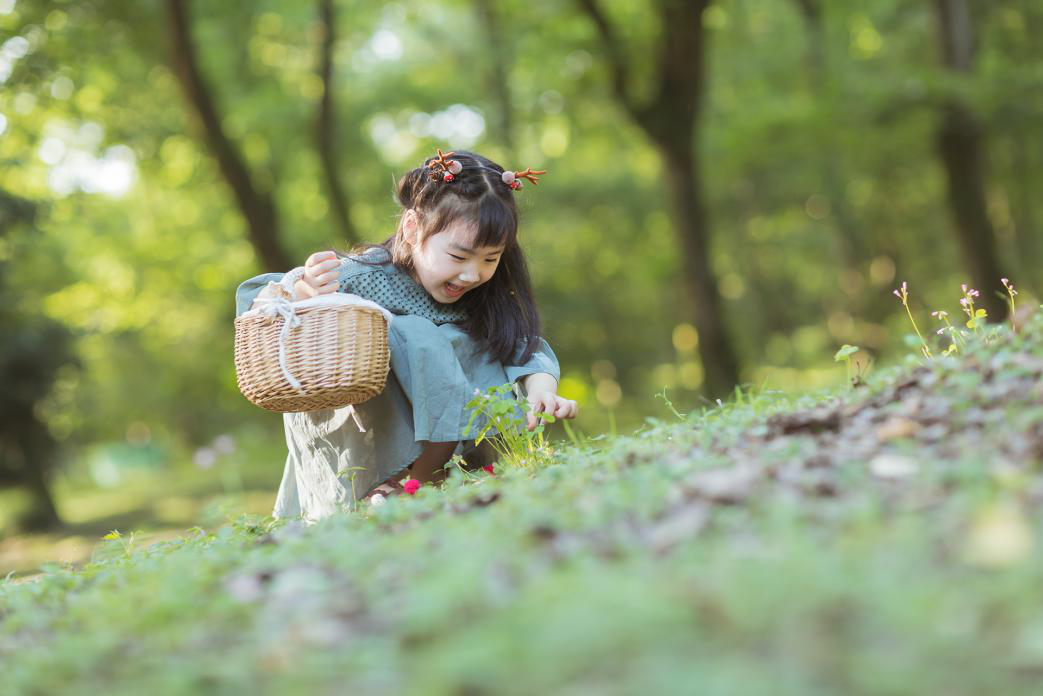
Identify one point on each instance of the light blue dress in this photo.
(435, 368)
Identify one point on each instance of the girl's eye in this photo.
(458, 258)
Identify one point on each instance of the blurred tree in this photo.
(670, 119)
(256, 204)
(325, 133)
(497, 75)
(960, 142)
(32, 351)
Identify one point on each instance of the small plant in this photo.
(844, 355)
(902, 294)
(669, 404)
(504, 416)
(955, 335)
(128, 546)
(976, 317)
(1011, 292)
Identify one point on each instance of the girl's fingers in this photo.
(320, 256)
(567, 409)
(322, 269)
(537, 406)
(551, 404)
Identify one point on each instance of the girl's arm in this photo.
(539, 382)
(538, 377)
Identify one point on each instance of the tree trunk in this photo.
(851, 247)
(33, 446)
(256, 206)
(715, 350)
(497, 74)
(325, 136)
(670, 119)
(959, 142)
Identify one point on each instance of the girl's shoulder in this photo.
(371, 260)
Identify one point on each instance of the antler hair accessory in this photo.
(511, 178)
(449, 167)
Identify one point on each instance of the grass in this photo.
(158, 504)
(878, 540)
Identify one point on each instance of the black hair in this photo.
(501, 313)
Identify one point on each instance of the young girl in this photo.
(456, 280)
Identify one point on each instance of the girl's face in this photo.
(447, 265)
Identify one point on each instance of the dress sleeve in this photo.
(542, 360)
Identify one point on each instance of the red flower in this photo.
(489, 468)
(411, 486)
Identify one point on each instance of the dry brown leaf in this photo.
(897, 428)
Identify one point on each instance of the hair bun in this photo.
(409, 186)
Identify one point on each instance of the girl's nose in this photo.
(468, 276)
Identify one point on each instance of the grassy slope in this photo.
(878, 541)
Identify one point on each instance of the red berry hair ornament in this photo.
(444, 168)
(511, 178)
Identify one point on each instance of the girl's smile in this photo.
(454, 291)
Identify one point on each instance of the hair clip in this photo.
(511, 178)
(450, 167)
(446, 169)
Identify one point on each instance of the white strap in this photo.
(281, 307)
(355, 417)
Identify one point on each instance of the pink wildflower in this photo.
(411, 486)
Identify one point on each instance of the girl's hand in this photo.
(321, 275)
(549, 402)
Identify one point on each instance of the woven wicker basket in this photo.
(337, 353)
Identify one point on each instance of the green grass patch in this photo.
(876, 540)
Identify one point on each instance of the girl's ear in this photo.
(410, 227)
